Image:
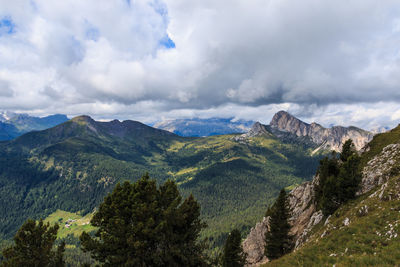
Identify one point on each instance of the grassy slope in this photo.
(76, 226)
(371, 239)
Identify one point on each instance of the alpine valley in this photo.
(64, 172)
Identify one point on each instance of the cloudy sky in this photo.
(334, 62)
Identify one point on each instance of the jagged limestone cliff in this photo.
(330, 138)
(290, 129)
(304, 217)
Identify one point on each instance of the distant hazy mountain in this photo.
(7, 131)
(382, 129)
(6, 115)
(204, 127)
(13, 125)
(289, 128)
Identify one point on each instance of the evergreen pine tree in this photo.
(233, 255)
(34, 246)
(142, 225)
(338, 179)
(277, 238)
(348, 149)
(349, 178)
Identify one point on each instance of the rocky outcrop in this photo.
(304, 217)
(257, 129)
(329, 138)
(303, 210)
(380, 168)
(254, 244)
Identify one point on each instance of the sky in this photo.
(333, 62)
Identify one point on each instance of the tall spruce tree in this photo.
(348, 149)
(277, 238)
(339, 179)
(233, 255)
(142, 225)
(34, 246)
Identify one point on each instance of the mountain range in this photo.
(72, 166)
(13, 125)
(288, 127)
(197, 127)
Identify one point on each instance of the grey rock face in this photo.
(304, 213)
(332, 138)
(315, 219)
(257, 129)
(379, 168)
(254, 244)
(304, 217)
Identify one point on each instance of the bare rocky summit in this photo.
(328, 138)
(290, 129)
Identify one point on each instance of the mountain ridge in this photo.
(197, 127)
(289, 128)
(13, 125)
(332, 137)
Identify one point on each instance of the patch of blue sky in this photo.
(91, 31)
(160, 7)
(167, 42)
(92, 34)
(7, 26)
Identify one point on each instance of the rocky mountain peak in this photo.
(257, 129)
(283, 119)
(327, 138)
(6, 115)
